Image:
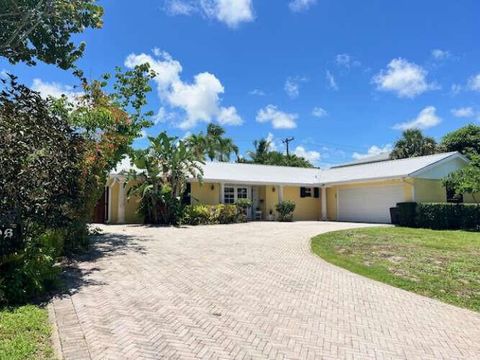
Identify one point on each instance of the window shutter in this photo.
(316, 192)
(302, 192)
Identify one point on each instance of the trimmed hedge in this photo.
(440, 216)
(406, 213)
(200, 214)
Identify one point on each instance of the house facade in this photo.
(360, 192)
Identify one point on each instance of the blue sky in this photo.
(342, 77)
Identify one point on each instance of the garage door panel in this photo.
(368, 204)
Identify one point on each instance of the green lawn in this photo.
(25, 334)
(440, 264)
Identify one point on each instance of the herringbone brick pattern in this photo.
(246, 291)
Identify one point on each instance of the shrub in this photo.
(443, 216)
(407, 213)
(242, 206)
(32, 271)
(285, 210)
(200, 214)
(227, 214)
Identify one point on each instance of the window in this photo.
(305, 192)
(452, 197)
(229, 195)
(242, 193)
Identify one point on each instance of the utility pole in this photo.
(286, 141)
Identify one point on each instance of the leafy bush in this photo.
(32, 271)
(200, 214)
(443, 216)
(439, 216)
(242, 206)
(227, 214)
(285, 210)
(407, 213)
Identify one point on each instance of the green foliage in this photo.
(285, 210)
(445, 216)
(467, 179)
(243, 205)
(164, 170)
(213, 145)
(42, 30)
(200, 214)
(31, 271)
(39, 157)
(263, 155)
(25, 334)
(406, 213)
(465, 140)
(413, 143)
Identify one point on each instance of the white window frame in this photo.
(235, 191)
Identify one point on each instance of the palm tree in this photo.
(262, 148)
(165, 167)
(413, 143)
(213, 145)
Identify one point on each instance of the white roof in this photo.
(259, 174)
(384, 169)
(239, 173)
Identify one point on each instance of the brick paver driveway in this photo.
(245, 291)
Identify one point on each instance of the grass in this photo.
(444, 265)
(25, 333)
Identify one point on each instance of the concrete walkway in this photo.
(246, 291)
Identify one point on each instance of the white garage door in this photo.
(368, 204)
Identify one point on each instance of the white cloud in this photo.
(439, 54)
(55, 89)
(474, 83)
(404, 78)
(230, 12)
(346, 61)
(319, 112)
(279, 119)
(301, 5)
(426, 119)
(292, 86)
(229, 116)
(179, 7)
(310, 155)
(372, 151)
(272, 142)
(257, 92)
(200, 100)
(464, 112)
(332, 84)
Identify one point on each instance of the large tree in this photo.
(465, 140)
(213, 145)
(165, 167)
(33, 30)
(262, 154)
(413, 143)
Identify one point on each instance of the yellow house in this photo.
(361, 192)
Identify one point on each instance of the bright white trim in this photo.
(324, 203)
(121, 201)
(222, 193)
(280, 193)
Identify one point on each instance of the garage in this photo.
(368, 204)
